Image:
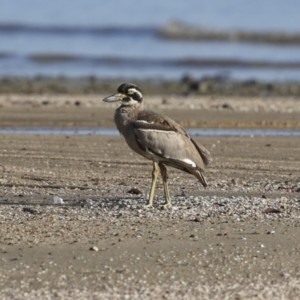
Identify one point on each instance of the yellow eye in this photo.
(130, 92)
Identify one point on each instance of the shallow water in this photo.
(119, 38)
(113, 131)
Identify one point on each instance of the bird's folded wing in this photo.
(152, 121)
(152, 132)
(163, 137)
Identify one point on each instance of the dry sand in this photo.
(237, 239)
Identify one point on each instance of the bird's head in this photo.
(128, 94)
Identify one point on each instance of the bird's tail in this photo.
(200, 177)
(204, 153)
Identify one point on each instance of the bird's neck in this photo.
(135, 107)
(125, 116)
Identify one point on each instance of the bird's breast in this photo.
(123, 121)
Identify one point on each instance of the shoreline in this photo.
(195, 111)
(186, 86)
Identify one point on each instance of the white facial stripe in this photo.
(189, 162)
(133, 90)
(130, 103)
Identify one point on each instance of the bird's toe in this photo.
(148, 206)
(166, 205)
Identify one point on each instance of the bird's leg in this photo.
(163, 171)
(154, 178)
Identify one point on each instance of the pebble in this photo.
(94, 248)
(238, 208)
(57, 200)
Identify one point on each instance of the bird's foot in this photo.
(166, 205)
(149, 205)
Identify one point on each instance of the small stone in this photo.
(271, 211)
(164, 101)
(134, 191)
(233, 182)
(89, 202)
(227, 106)
(94, 248)
(29, 210)
(57, 200)
(197, 219)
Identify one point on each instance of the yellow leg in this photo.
(153, 184)
(163, 171)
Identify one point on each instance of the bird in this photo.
(157, 138)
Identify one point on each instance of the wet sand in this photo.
(192, 111)
(236, 239)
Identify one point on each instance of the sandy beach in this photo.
(236, 239)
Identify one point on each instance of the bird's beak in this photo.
(114, 98)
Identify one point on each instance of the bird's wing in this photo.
(204, 153)
(152, 130)
(152, 121)
(163, 137)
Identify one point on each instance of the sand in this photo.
(236, 239)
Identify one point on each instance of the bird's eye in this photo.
(130, 92)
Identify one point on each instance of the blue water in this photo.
(113, 131)
(119, 38)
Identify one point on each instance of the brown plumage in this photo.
(157, 138)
